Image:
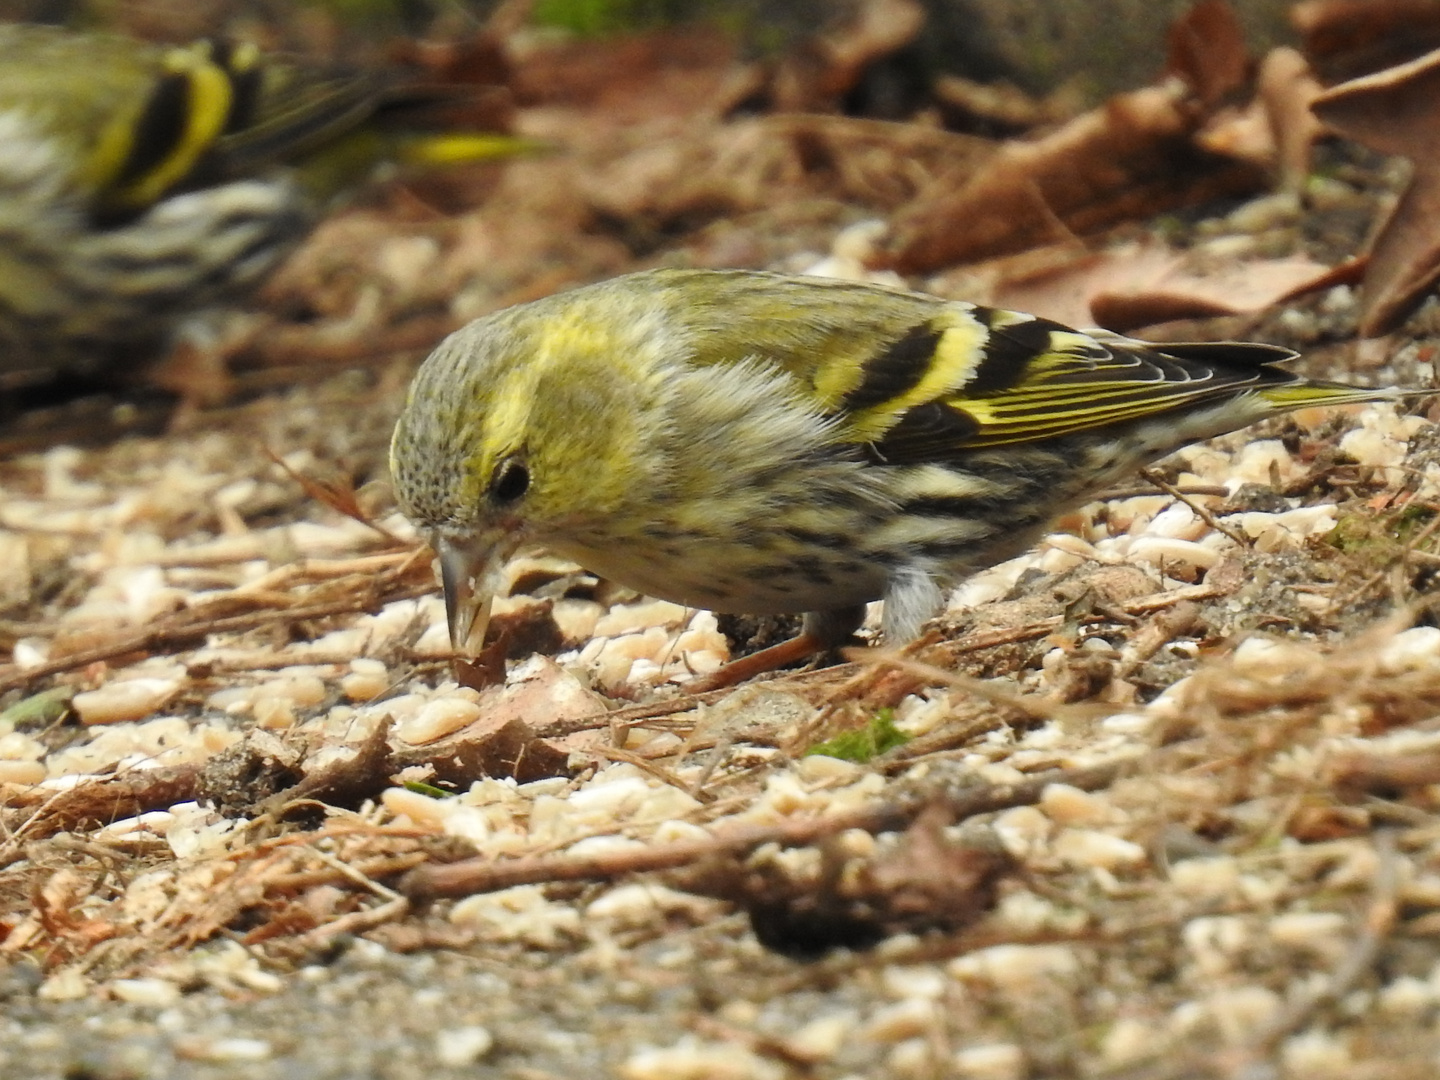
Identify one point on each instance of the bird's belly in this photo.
(741, 579)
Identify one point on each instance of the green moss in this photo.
(1411, 520)
(1378, 538)
(598, 18)
(37, 711)
(875, 738)
(428, 789)
(601, 18)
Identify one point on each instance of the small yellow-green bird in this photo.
(140, 183)
(759, 443)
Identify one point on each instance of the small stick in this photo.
(489, 875)
(1201, 512)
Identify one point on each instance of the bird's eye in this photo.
(511, 480)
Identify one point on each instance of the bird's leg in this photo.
(822, 630)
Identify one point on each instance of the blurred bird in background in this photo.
(142, 183)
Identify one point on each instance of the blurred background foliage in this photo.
(1038, 45)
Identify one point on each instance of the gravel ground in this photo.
(1181, 762)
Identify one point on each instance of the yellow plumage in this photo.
(758, 443)
(140, 183)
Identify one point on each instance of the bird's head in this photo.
(528, 426)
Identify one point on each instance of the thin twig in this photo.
(488, 874)
(192, 626)
(1379, 921)
(1202, 512)
(358, 921)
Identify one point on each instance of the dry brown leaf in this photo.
(1133, 157)
(758, 163)
(1189, 292)
(341, 780)
(96, 803)
(1286, 89)
(1144, 284)
(680, 74)
(522, 731)
(1348, 38)
(1397, 111)
(337, 491)
(998, 108)
(927, 882)
(1276, 130)
(1206, 48)
(821, 69)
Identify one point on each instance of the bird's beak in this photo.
(471, 573)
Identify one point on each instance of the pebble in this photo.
(1321, 933)
(153, 822)
(992, 1061)
(67, 984)
(1129, 724)
(459, 1047)
(576, 619)
(437, 719)
(273, 713)
(910, 1059)
(638, 904)
(1024, 830)
(665, 803)
(1128, 1040)
(1089, 847)
(1215, 941)
(1068, 805)
(1135, 513)
(603, 801)
(913, 981)
(521, 914)
(1206, 878)
(1317, 1055)
(1242, 1012)
(367, 680)
(30, 652)
(604, 846)
(691, 1059)
(1018, 969)
(125, 699)
(1177, 522)
(1407, 997)
(24, 773)
(157, 993)
(1053, 560)
(1028, 915)
(203, 1048)
(1257, 461)
(905, 1019)
(17, 746)
(821, 1039)
(989, 585)
(821, 768)
(628, 618)
(421, 809)
(1157, 550)
(1270, 658)
(691, 663)
(1272, 532)
(1410, 650)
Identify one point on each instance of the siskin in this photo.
(140, 183)
(751, 442)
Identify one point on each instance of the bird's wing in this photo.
(1033, 380)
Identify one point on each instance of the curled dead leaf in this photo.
(1396, 111)
(1206, 48)
(1133, 157)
